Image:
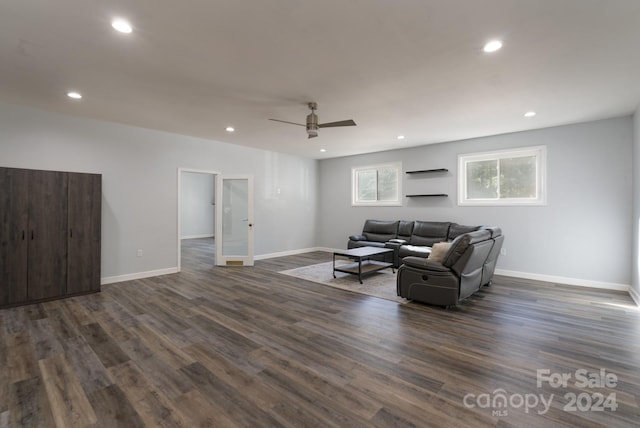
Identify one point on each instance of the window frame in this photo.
(354, 185)
(540, 153)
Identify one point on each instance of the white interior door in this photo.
(234, 220)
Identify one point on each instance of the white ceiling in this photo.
(411, 67)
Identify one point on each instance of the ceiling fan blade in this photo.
(349, 122)
(290, 123)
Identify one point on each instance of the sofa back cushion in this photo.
(380, 231)
(495, 231)
(405, 229)
(461, 244)
(427, 233)
(456, 230)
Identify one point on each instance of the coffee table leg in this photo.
(360, 269)
(334, 265)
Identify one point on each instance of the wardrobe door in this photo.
(14, 208)
(47, 234)
(85, 213)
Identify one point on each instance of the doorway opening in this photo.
(196, 218)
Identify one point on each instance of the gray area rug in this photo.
(380, 284)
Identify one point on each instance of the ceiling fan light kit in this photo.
(312, 124)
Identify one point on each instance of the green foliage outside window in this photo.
(504, 177)
(377, 185)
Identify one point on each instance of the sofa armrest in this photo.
(358, 238)
(395, 245)
(426, 264)
(397, 241)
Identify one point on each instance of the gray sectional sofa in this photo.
(408, 238)
(466, 259)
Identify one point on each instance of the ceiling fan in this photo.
(312, 122)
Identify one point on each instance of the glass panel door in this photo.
(234, 221)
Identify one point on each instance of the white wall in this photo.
(139, 175)
(582, 236)
(197, 196)
(635, 257)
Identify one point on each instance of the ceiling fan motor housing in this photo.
(312, 125)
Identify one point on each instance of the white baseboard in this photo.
(137, 275)
(524, 275)
(289, 253)
(635, 295)
(197, 236)
(329, 250)
(565, 280)
(148, 274)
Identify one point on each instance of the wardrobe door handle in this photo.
(70, 233)
(23, 235)
(32, 235)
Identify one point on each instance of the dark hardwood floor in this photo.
(249, 347)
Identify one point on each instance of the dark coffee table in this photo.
(363, 262)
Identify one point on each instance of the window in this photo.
(507, 177)
(377, 185)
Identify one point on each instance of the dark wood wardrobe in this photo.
(50, 226)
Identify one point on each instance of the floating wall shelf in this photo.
(428, 195)
(441, 195)
(428, 170)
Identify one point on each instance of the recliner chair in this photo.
(462, 272)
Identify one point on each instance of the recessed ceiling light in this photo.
(400, 137)
(323, 150)
(121, 25)
(530, 114)
(74, 95)
(229, 129)
(492, 46)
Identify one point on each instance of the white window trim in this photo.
(354, 190)
(540, 152)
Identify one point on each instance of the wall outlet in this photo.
(139, 254)
(503, 251)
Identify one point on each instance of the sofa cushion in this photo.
(461, 243)
(456, 230)
(422, 263)
(458, 247)
(405, 229)
(495, 231)
(427, 233)
(414, 250)
(380, 231)
(358, 244)
(439, 251)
